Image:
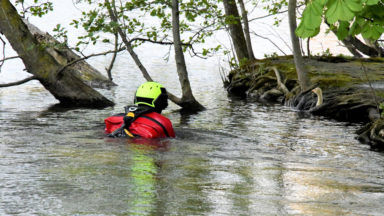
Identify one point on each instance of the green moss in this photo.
(329, 80)
(328, 72)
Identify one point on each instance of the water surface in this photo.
(238, 157)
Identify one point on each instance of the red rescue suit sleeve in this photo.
(152, 125)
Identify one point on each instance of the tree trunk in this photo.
(187, 101)
(244, 16)
(236, 30)
(61, 82)
(302, 73)
(63, 55)
(187, 98)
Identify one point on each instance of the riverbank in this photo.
(351, 89)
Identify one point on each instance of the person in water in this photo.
(144, 119)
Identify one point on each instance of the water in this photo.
(236, 158)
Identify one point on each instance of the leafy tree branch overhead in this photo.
(349, 17)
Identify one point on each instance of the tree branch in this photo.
(18, 82)
(87, 57)
(109, 69)
(9, 58)
(123, 36)
(269, 41)
(280, 12)
(154, 42)
(2, 61)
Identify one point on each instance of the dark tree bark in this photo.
(244, 16)
(363, 48)
(187, 98)
(354, 45)
(236, 30)
(62, 82)
(302, 73)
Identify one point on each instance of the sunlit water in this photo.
(236, 158)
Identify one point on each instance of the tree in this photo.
(233, 21)
(302, 73)
(187, 99)
(347, 18)
(244, 16)
(133, 31)
(61, 81)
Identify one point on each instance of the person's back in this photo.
(144, 119)
(152, 125)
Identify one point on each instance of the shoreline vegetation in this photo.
(345, 89)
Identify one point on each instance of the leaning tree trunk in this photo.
(244, 16)
(302, 73)
(187, 99)
(236, 30)
(64, 56)
(60, 81)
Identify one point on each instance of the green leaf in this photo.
(339, 10)
(372, 31)
(354, 5)
(355, 28)
(303, 32)
(343, 30)
(312, 15)
(372, 2)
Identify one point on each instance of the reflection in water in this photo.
(143, 179)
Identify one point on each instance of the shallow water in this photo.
(236, 158)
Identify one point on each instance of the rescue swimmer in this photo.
(143, 119)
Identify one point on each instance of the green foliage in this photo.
(61, 34)
(150, 21)
(274, 7)
(347, 17)
(34, 7)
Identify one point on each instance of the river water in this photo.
(238, 157)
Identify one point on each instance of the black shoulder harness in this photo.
(130, 115)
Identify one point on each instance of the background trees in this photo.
(124, 25)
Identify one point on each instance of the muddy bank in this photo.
(347, 89)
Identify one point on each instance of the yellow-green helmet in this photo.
(152, 94)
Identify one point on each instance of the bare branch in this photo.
(154, 42)
(87, 57)
(269, 15)
(18, 82)
(269, 41)
(266, 16)
(9, 58)
(109, 69)
(2, 61)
